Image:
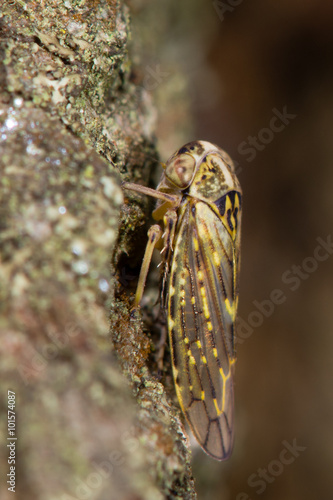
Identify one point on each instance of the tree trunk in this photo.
(91, 421)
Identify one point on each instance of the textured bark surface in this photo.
(91, 420)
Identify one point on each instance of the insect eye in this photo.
(180, 170)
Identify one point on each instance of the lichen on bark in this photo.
(92, 421)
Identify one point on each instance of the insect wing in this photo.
(202, 302)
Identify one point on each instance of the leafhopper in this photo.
(199, 206)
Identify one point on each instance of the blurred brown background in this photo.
(220, 72)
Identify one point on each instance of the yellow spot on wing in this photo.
(204, 360)
(180, 398)
(224, 378)
(228, 204)
(202, 395)
(215, 352)
(204, 302)
(236, 200)
(171, 323)
(199, 344)
(218, 411)
(230, 309)
(216, 259)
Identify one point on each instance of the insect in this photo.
(199, 202)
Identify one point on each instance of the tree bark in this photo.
(91, 421)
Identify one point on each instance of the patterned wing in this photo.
(202, 303)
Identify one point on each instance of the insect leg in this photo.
(154, 235)
(150, 192)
